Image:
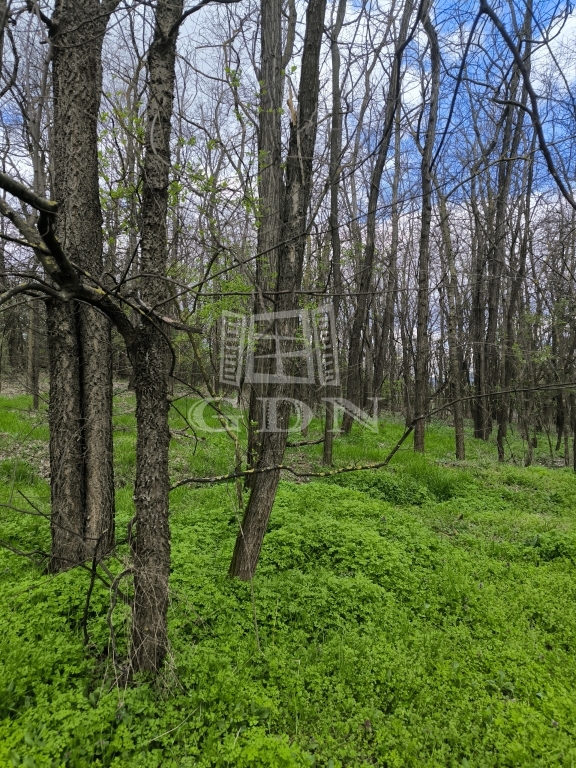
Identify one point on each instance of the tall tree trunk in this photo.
(353, 378)
(422, 346)
(515, 293)
(455, 368)
(293, 241)
(33, 356)
(270, 186)
(151, 545)
(477, 323)
(66, 437)
(385, 353)
(513, 121)
(335, 173)
(518, 279)
(405, 323)
(80, 418)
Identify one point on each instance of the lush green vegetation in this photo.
(423, 615)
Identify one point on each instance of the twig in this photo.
(535, 114)
(113, 599)
(375, 465)
(90, 588)
(305, 442)
(29, 555)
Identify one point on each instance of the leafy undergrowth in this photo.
(423, 615)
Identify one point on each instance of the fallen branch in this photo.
(305, 442)
(376, 465)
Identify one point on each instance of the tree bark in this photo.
(508, 362)
(353, 378)
(422, 350)
(335, 173)
(66, 439)
(509, 331)
(386, 351)
(270, 193)
(80, 417)
(293, 241)
(151, 545)
(455, 368)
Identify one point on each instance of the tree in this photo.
(151, 353)
(82, 486)
(294, 206)
(422, 345)
(354, 389)
(335, 174)
(146, 341)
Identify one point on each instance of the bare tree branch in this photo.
(26, 195)
(196, 8)
(536, 121)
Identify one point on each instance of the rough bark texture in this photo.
(270, 175)
(66, 444)
(293, 240)
(80, 399)
(151, 546)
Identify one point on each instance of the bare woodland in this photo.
(409, 163)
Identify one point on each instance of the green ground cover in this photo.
(422, 615)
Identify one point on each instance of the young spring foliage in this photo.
(418, 616)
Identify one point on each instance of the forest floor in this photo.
(420, 615)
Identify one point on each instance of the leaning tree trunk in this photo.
(151, 545)
(421, 362)
(270, 190)
(80, 417)
(293, 240)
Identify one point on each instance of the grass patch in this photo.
(422, 615)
